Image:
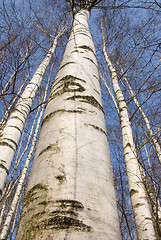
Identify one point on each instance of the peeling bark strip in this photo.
(18, 117)
(71, 160)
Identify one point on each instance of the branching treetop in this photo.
(76, 5)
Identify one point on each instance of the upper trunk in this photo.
(71, 192)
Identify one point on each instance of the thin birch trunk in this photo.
(151, 134)
(4, 119)
(6, 225)
(71, 191)
(12, 131)
(141, 208)
(7, 85)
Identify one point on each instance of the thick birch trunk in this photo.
(141, 209)
(71, 192)
(11, 133)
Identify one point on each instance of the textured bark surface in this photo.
(71, 192)
(139, 199)
(11, 133)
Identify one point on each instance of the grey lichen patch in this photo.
(97, 128)
(30, 196)
(132, 192)
(52, 147)
(87, 99)
(59, 111)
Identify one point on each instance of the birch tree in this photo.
(141, 208)
(6, 225)
(12, 131)
(71, 192)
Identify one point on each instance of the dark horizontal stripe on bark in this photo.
(66, 78)
(118, 90)
(7, 144)
(87, 99)
(85, 47)
(11, 140)
(12, 126)
(96, 77)
(18, 110)
(80, 33)
(122, 109)
(91, 61)
(59, 111)
(66, 87)
(96, 91)
(24, 105)
(4, 168)
(97, 128)
(15, 117)
(50, 147)
(31, 83)
(66, 65)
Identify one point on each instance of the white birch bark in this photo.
(141, 208)
(151, 134)
(6, 225)
(11, 133)
(71, 192)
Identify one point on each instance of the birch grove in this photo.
(80, 139)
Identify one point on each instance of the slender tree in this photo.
(11, 132)
(71, 192)
(140, 204)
